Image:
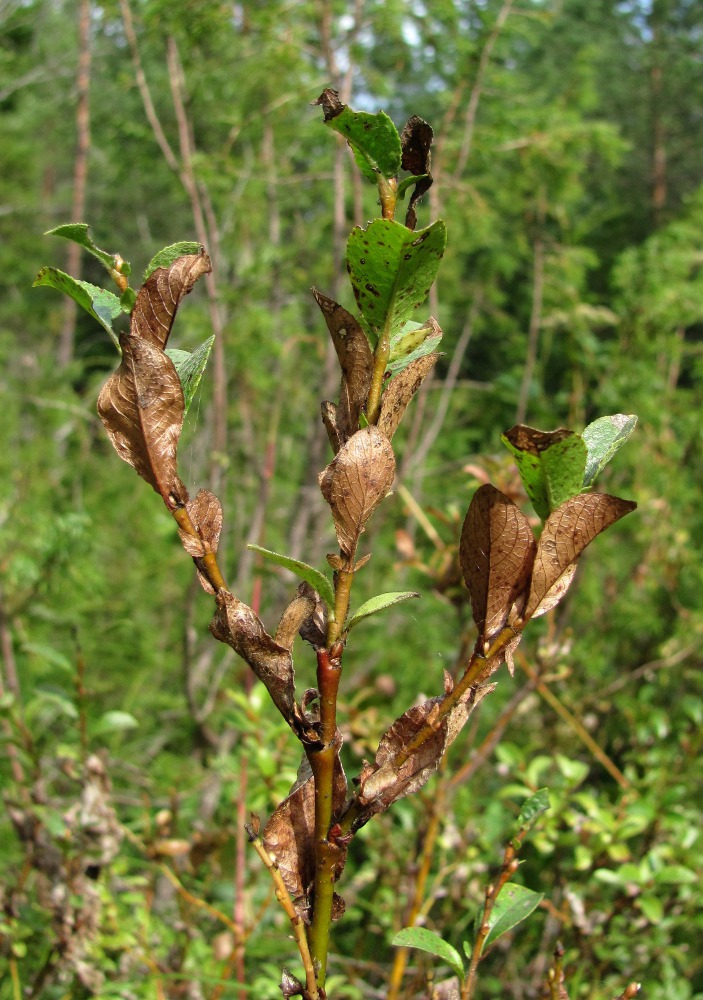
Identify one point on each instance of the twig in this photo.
(311, 990)
(201, 904)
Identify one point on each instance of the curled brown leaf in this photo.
(289, 836)
(566, 533)
(142, 408)
(401, 390)
(356, 361)
(496, 553)
(159, 297)
(355, 482)
(236, 625)
(416, 140)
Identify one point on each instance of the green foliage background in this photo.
(576, 99)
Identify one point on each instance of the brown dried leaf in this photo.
(329, 419)
(159, 297)
(237, 625)
(356, 361)
(206, 517)
(401, 390)
(416, 140)
(496, 553)
(384, 783)
(314, 628)
(355, 482)
(297, 612)
(142, 408)
(289, 836)
(330, 103)
(567, 532)
(534, 441)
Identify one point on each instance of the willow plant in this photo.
(384, 355)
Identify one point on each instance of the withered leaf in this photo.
(416, 140)
(383, 784)
(355, 359)
(496, 553)
(297, 612)
(142, 408)
(401, 390)
(206, 517)
(355, 482)
(329, 419)
(289, 836)
(236, 625)
(330, 103)
(314, 628)
(567, 532)
(159, 297)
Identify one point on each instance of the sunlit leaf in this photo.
(426, 940)
(533, 807)
(550, 464)
(392, 268)
(79, 232)
(102, 305)
(604, 438)
(379, 603)
(314, 577)
(190, 367)
(514, 904)
(373, 138)
(170, 254)
(413, 341)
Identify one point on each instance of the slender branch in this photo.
(380, 363)
(322, 761)
(311, 990)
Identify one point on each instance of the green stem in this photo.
(322, 761)
(380, 363)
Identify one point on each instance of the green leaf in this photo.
(169, 255)
(514, 904)
(79, 233)
(374, 141)
(533, 807)
(573, 770)
(127, 300)
(392, 269)
(409, 182)
(190, 368)
(676, 875)
(413, 341)
(379, 603)
(50, 655)
(313, 576)
(604, 438)
(102, 305)
(551, 465)
(426, 940)
(115, 722)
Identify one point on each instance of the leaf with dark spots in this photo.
(566, 534)
(297, 612)
(384, 783)
(356, 361)
(416, 140)
(236, 625)
(289, 836)
(551, 464)
(373, 138)
(496, 553)
(401, 390)
(159, 298)
(205, 513)
(355, 482)
(392, 269)
(142, 408)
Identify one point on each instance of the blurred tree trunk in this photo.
(80, 175)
